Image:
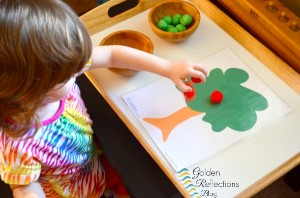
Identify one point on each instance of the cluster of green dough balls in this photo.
(175, 23)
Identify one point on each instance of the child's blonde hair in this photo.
(42, 43)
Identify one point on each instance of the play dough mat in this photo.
(189, 129)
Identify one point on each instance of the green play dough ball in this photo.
(176, 19)
(171, 28)
(175, 23)
(186, 19)
(162, 24)
(180, 28)
(168, 19)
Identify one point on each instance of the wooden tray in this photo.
(268, 64)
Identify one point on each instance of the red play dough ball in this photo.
(189, 95)
(196, 80)
(216, 97)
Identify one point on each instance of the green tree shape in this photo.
(239, 105)
(237, 110)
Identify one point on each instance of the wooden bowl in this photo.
(128, 38)
(172, 7)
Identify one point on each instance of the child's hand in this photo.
(181, 70)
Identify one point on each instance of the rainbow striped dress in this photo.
(61, 155)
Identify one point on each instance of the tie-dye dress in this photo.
(61, 155)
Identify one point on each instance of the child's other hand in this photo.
(184, 69)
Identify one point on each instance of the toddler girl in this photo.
(46, 144)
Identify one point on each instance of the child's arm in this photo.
(32, 190)
(125, 57)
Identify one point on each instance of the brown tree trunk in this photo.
(167, 124)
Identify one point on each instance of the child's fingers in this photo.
(199, 74)
(182, 86)
(201, 69)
